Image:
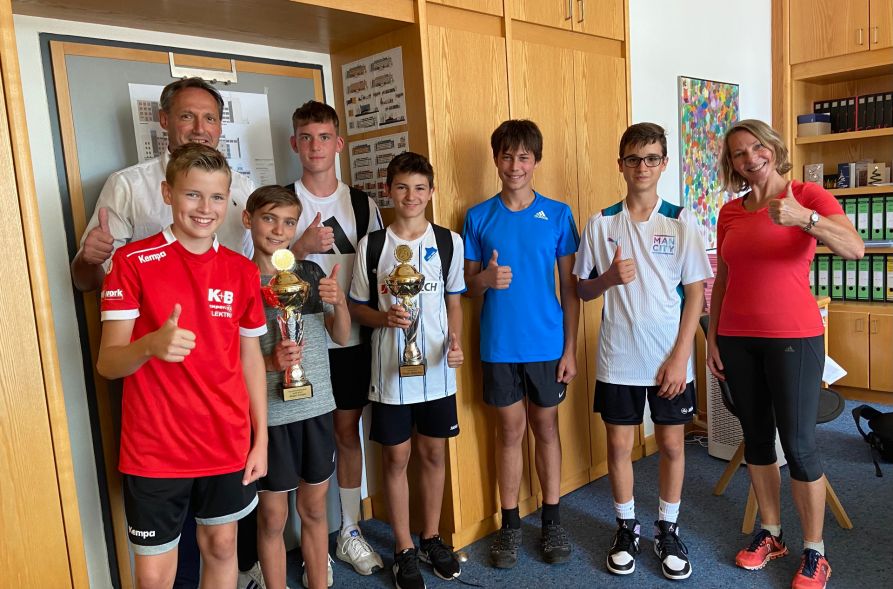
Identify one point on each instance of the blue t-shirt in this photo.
(523, 323)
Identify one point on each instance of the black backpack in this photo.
(374, 247)
(879, 436)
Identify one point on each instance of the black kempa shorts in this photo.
(392, 424)
(156, 508)
(507, 383)
(351, 371)
(299, 451)
(625, 405)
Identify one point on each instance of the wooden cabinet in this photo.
(860, 338)
(603, 18)
(828, 28)
(487, 6)
(880, 338)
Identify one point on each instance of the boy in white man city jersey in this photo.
(181, 320)
(647, 258)
(402, 404)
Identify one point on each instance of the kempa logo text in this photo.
(141, 533)
(151, 257)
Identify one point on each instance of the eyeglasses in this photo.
(633, 161)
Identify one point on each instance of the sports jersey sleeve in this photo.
(115, 198)
(455, 274)
(375, 222)
(471, 239)
(695, 264)
(359, 286)
(585, 266)
(569, 238)
(721, 225)
(253, 322)
(816, 198)
(121, 289)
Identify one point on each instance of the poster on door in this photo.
(369, 161)
(373, 92)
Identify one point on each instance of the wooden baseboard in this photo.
(864, 395)
(366, 506)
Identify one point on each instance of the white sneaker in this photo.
(330, 579)
(355, 551)
(252, 579)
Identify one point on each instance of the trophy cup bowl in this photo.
(405, 282)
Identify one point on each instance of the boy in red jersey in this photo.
(181, 319)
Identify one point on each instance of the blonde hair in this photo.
(732, 180)
(195, 155)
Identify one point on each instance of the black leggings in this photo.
(775, 382)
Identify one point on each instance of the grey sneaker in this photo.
(555, 545)
(353, 549)
(504, 549)
(330, 578)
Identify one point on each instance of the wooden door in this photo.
(880, 24)
(880, 338)
(601, 118)
(826, 28)
(848, 345)
(552, 13)
(537, 70)
(604, 18)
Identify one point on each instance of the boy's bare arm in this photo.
(455, 356)
(255, 381)
(672, 375)
(570, 308)
(119, 357)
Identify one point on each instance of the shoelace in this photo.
(624, 539)
(758, 540)
(504, 539)
(409, 562)
(357, 547)
(555, 536)
(810, 563)
(671, 544)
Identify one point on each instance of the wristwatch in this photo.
(813, 221)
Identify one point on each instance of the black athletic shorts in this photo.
(625, 405)
(392, 424)
(301, 451)
(156, 508)
(507, 383)
(351, 371)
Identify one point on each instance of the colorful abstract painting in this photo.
(706, 110)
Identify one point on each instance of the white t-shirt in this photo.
(640, 320)
(433, 339)
(336, 212)
(137, 210)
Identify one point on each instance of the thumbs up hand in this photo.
(455, 357)
(498, 277)
(787, 212)
(316, 239)
(329, 291)
(621, 271)
(100, 243)
(170, 342)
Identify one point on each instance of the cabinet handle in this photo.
(582, 5)
(872, 326)
(569, 14)
(874, 35)
(859, 42)
(860, 325)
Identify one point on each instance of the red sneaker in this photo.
(763, 548)
(813, 573)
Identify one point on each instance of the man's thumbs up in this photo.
(100, 243)
(104, 219)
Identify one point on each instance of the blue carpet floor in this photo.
(710, 526)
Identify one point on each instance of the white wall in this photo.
(723, 41)
(43, 155)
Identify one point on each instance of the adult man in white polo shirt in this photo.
(130, 206)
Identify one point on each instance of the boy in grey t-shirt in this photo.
(301, 431)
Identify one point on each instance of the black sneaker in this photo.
(671, 551)
(555, 545)
(504, 549)
(406, 570)
(625, 547)
(440, 556)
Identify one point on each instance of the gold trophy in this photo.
(288, 293)
(405, 282)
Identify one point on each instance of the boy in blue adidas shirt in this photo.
(513, 242)
(426, 403)
(647, 258)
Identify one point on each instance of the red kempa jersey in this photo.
(187, 419)
(767, 289)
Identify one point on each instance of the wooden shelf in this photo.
(886, 248)
(862, 190)
(844, 68)
(866, 306)
(867, 134)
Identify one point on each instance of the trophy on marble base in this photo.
(287, 292)
(405, 282)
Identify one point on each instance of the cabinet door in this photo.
(552, 13)
(880, 330)
(880, 24)
(600, 17)
(488, 6)
(848, 345)
(825, 28)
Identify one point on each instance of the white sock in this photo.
(817, 546)
(625, 510)
(774, 529)
(668, 512)
(350, 508)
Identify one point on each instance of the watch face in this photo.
(814, 217)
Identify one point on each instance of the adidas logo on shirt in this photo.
(541, 215)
